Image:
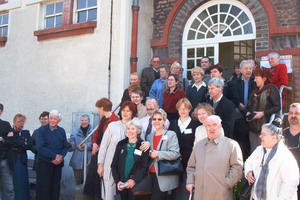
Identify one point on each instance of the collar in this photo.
(51, 128)
(186, 123)
(216, 140)
(198, 87)
(218, 99)
(156, 70)
(174, 91)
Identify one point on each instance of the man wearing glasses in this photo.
(292, 133)
(150, 74)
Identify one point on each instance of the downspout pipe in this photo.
(134, 37)
(110, 48)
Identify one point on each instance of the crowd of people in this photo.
(206, 132)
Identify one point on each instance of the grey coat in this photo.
(169, 151)
(76, 138)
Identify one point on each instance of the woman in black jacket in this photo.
(130, 164)
(185, 128)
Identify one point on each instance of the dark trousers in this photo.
(20, 180)
(241, 135)
(48, 180)
(181, 193)
(128, 195)
(157, 194)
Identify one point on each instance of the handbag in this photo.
(144, 187)
(246, 191)
(169, 167)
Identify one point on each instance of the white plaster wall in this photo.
(68, 74)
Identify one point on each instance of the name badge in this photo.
(164, 137)
(137, 152)
(188, 131)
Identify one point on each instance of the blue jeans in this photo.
(6, 182)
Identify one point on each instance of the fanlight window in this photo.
(220, 20)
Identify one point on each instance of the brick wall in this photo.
(287, 12)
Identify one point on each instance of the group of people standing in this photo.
(212, 126)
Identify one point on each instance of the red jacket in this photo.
(171, 99)
(280, 75)
(96, 135)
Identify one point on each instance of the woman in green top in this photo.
(129, 163)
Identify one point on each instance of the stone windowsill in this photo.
(3, 41)
(66, 31)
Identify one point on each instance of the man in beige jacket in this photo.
(215, 164)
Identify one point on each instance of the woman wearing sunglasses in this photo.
(164, 146)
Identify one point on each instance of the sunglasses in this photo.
(157, 119)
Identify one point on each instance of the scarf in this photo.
(261, 186)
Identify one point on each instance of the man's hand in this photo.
(95, 148)
(190, 188)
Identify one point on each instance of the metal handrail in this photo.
(90, 134)
(280, 94)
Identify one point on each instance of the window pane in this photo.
(210, 51)
(235, 10)
(224, 7)
(213, 9)
(215, 19)
(191, 53)
(248, 29)
(82, 16)
(58, 20)
(92, 15)
(190, 64)
(59, 7)
(227, 33)
(200, 52)
(203, 15)
(1, 22)
(234, 25)
(222, 18)
(229, 20)
(200, 36)
(191, 35)
(5, 29)
(237, 32)
(198, 62)
(5, 19)
(50, 22)
(81, 4)
(243, 18)
(189, 75)
(210, 35)
(50, 9)
(92, 3)
(195, 24)
(208, 22)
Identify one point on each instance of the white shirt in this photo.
(198, 87)
(183, 125)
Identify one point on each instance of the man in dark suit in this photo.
(223, 107)
(6, 182)
(150, 74)
(240, 90)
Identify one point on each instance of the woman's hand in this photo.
(118, 185)
(250, 178)
(100, 169)
(190, 188)
(154, 154)
(258, 115)
(145, 146)
(130, 183)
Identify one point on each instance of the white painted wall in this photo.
(68, 74)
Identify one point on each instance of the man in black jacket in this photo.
(6, 183)
(223, 107)
(240, 90)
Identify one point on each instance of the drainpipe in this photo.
(135, 17)
(110, 47)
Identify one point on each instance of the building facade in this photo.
(66, 54)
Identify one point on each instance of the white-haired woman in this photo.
(129, 163)
(271, 167)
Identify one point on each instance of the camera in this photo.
(250, 116)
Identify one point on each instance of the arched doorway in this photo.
(222, 30)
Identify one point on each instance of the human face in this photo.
(155, 62)
(132, 132)
(176, 70)
(151, 105)
(213, 128)
(183, 111)
(214, 73)
(197, 77)
(294, 116)
(134, 80)
(163, 73)
(136, 98)
(260, 81)
(214, 91)
(267, 139)
(172, 82)
(19, 123)
(158, 121)
(246, 71)
(44, 120)
(53, 120)
(84, 122)
(126, 114)
(205, 64)
(273, 60)
(202, 114)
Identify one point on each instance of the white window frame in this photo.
(2, 26)
(55, 15)
(76, 11)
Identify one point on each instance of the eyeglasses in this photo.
(157, 119)
(214, 126)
